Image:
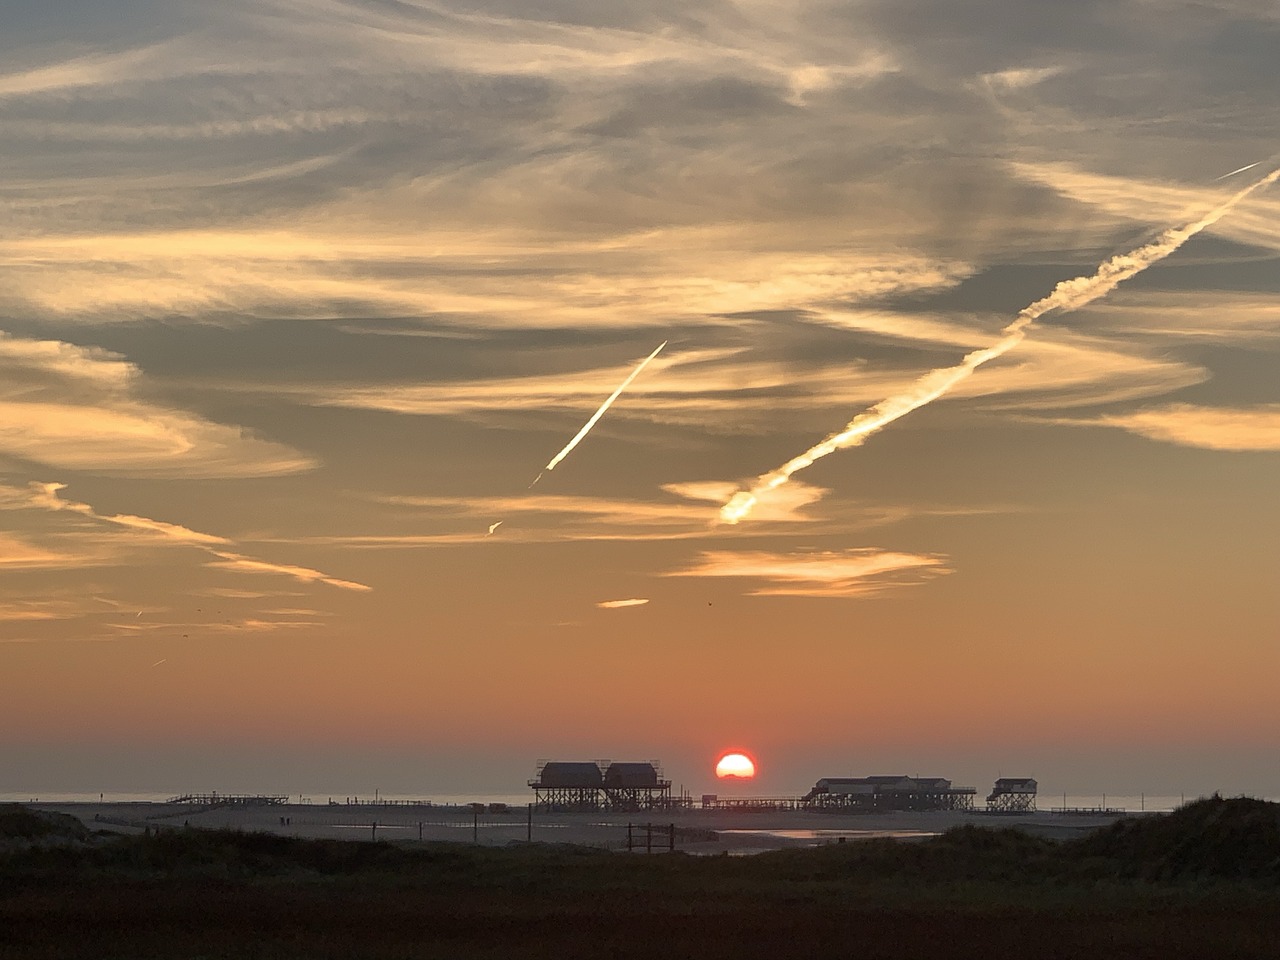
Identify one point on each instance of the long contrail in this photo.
(586, 427)
(1067, 295)
(1238, 170)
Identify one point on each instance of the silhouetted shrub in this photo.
(1213, 839)
(19, 822)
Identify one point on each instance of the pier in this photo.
(229, 800)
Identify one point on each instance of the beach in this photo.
(692, 830)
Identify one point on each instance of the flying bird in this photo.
(493, 527)
(586, 428)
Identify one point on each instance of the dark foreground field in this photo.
(1203, 882)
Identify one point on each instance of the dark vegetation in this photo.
(1201, 882)
(17, 823)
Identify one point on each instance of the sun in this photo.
(737, 766)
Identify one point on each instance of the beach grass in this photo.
(1204, 882)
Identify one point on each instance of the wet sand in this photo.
(696, 831)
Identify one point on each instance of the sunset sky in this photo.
(298, 297)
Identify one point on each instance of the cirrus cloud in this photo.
(1208, 428)
(858, 572)
(138, 532)
(78, 408)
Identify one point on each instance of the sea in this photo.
(439, 799)
(1128, 803)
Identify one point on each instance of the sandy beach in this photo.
(695, 830)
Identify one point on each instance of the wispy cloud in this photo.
(439, 522)
(242, 564)
(1119, 199)
(633, 281)
(538, 518)
(25, 611)
(727, 389)
(72, 407)
(603, 511)
(1162, 315)
(1019, 78)
(330, 100)
(1208, 428)
(46, 496)
(620, 604)
(862, 572)
(239, 593)
(86, 71)
(19, 554)
(784, 505)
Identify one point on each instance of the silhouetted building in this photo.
(562, 773)
(628, 775)
(872, 794)
(566, 785)
(1013, 795)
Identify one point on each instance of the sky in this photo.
(298, 298)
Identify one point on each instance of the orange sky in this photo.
(297, 297)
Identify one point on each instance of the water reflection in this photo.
(835, 835)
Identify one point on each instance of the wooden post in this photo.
(671, 838)
(648, 838)
(629, 842)
(419, 830)
(528, 831)
(475, 824)
(375, 830)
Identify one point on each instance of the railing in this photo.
(229, 800)
(753, 803)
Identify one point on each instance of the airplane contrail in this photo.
(1234, 172)
(586, 428)
(1066, 296)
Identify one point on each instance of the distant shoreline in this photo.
(695, 830)
(1130, 803)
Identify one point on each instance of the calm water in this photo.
(1130, 803)
(827, 836)
(55, 796)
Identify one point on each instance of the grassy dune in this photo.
(1202, 882)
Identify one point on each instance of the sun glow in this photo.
(737, 765)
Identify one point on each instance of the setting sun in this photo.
(735, 765)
